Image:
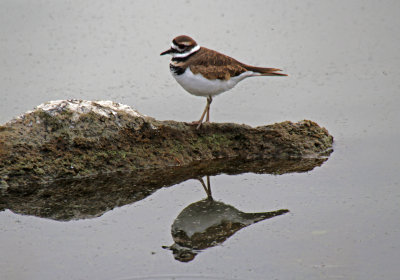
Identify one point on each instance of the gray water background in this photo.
(343, 63)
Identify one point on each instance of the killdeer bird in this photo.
(204, 72)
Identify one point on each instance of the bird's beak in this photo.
(167, 51)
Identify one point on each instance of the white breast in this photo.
(196, 84)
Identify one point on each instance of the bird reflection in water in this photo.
(207, 223)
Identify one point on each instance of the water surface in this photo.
(343, 63)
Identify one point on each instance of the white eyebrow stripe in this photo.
(195, 49)
(175, 47)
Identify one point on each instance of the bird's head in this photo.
(182, 46)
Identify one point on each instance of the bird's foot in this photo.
(196, 123)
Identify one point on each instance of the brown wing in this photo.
(214, 65)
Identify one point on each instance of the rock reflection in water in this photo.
(86, 198)
(207, 223)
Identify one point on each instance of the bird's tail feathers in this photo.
(261, 71)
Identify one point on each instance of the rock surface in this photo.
(75, 139)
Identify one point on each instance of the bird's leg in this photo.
(202, 117)
(209, 186)
(209, 100)
(206, 188)
(206, 111)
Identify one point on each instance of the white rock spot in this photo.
(78, 107)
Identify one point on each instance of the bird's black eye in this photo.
(181, 46)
